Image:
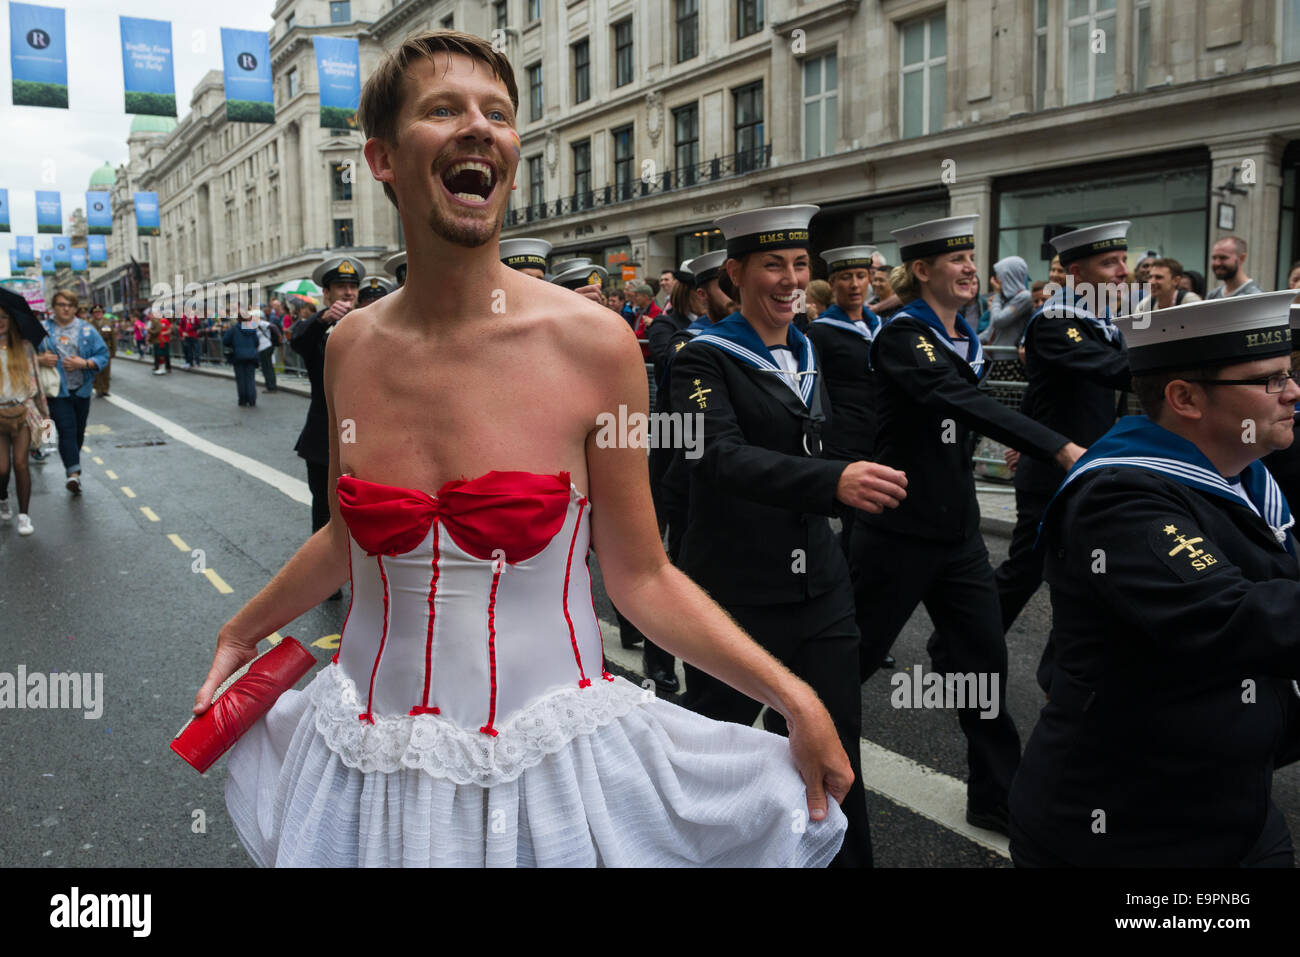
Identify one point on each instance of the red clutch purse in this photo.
(244, 697)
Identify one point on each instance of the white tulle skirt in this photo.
(603, 776)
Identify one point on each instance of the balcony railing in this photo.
(710, 171)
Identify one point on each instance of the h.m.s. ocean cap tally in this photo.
(767, 229)
(1091, 240)
(1211, 332)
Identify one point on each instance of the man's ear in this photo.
(1185, 400)
(379, 156)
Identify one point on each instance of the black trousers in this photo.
(318, 481)
(892, 574)
(818, 641)
(266, 359)
(1020, 575)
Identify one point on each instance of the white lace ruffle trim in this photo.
(431, 743)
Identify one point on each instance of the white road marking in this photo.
(932, 794)
(295, 488)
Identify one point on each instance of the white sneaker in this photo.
(25, 525)
(160, 371)
(74, 484)
(6, 512)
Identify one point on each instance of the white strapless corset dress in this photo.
(467, 719)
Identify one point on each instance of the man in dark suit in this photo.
(340, 281)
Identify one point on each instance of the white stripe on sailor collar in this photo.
(804, 376)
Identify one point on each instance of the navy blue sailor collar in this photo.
(920, 310)
(833, 315)
(736, 337)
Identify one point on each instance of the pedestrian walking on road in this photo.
(76, 349)
(22, 408)
(160, 337)
(268, 338)
(105, 328)
(240, 346)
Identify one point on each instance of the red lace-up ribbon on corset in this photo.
(500, 515)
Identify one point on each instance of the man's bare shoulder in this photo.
(586, 327)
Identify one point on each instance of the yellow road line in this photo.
(127, 492)
(149, 513)
(111, 474)
(275, 638)
(98, 460)
(218, 582)
(86, 449)
(178, 542)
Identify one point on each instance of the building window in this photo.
(623, 177)
(536, 181)
(582, 174)
(623, 53)
(686, 145)
(342, 174)
(581, 71)
(534, 10)
(1089, 50)
(449, 22)
(1288, 232)
(748, 104)
(1290, 30)
(535, 92)
(1040, 53)
(340, 11)
(288, 23)
(293, 82)
(749, 17)
(501, 10)
(688, 29)
(820, 106)
(342, 232)
(924, 75)
(1141, 43)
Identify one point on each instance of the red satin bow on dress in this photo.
(517, 513)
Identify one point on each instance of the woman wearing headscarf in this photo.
(1010, 307)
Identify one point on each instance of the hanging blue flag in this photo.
(47, 262)
(79, 260)
(146, 214)
(99, 213)
(147, 66)
(97, 249)
(49, 211)
(38, 55)
(338, 69)
(62, 251)
(4, 210)
(25, 247)
(246, 55)
(13, 262)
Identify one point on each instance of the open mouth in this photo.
(470, 181)
(784, 302)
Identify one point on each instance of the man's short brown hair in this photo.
(1173, 265)
(66, 295)
(385, 90)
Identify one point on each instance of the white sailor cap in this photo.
(1211, 332)
(580, 274)
(706, 267)
(395, 266)
(1090, 241)
(848, 257)
(374, 287)
(565, 264)
(683, 273)
(770, 228)
(935, 236)
(525, 253)
(338, 269)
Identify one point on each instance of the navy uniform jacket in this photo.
(1170, 692)
(927, 404)
(756, 530)
(307, 338)
(1073, 373)
(658, 337)
(847, 370)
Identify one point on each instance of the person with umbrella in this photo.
(77, 350)
(22, 404)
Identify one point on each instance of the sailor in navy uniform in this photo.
(1175, 596)
(1075, 361)
(842, 335)
(526, 254)
(757, 536)
(927, 364)
(395, 266)
(660, 332)
(1285, 463)
(373, 288)
(583, 277)
(340, 280)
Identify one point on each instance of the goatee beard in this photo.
(463, 235)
